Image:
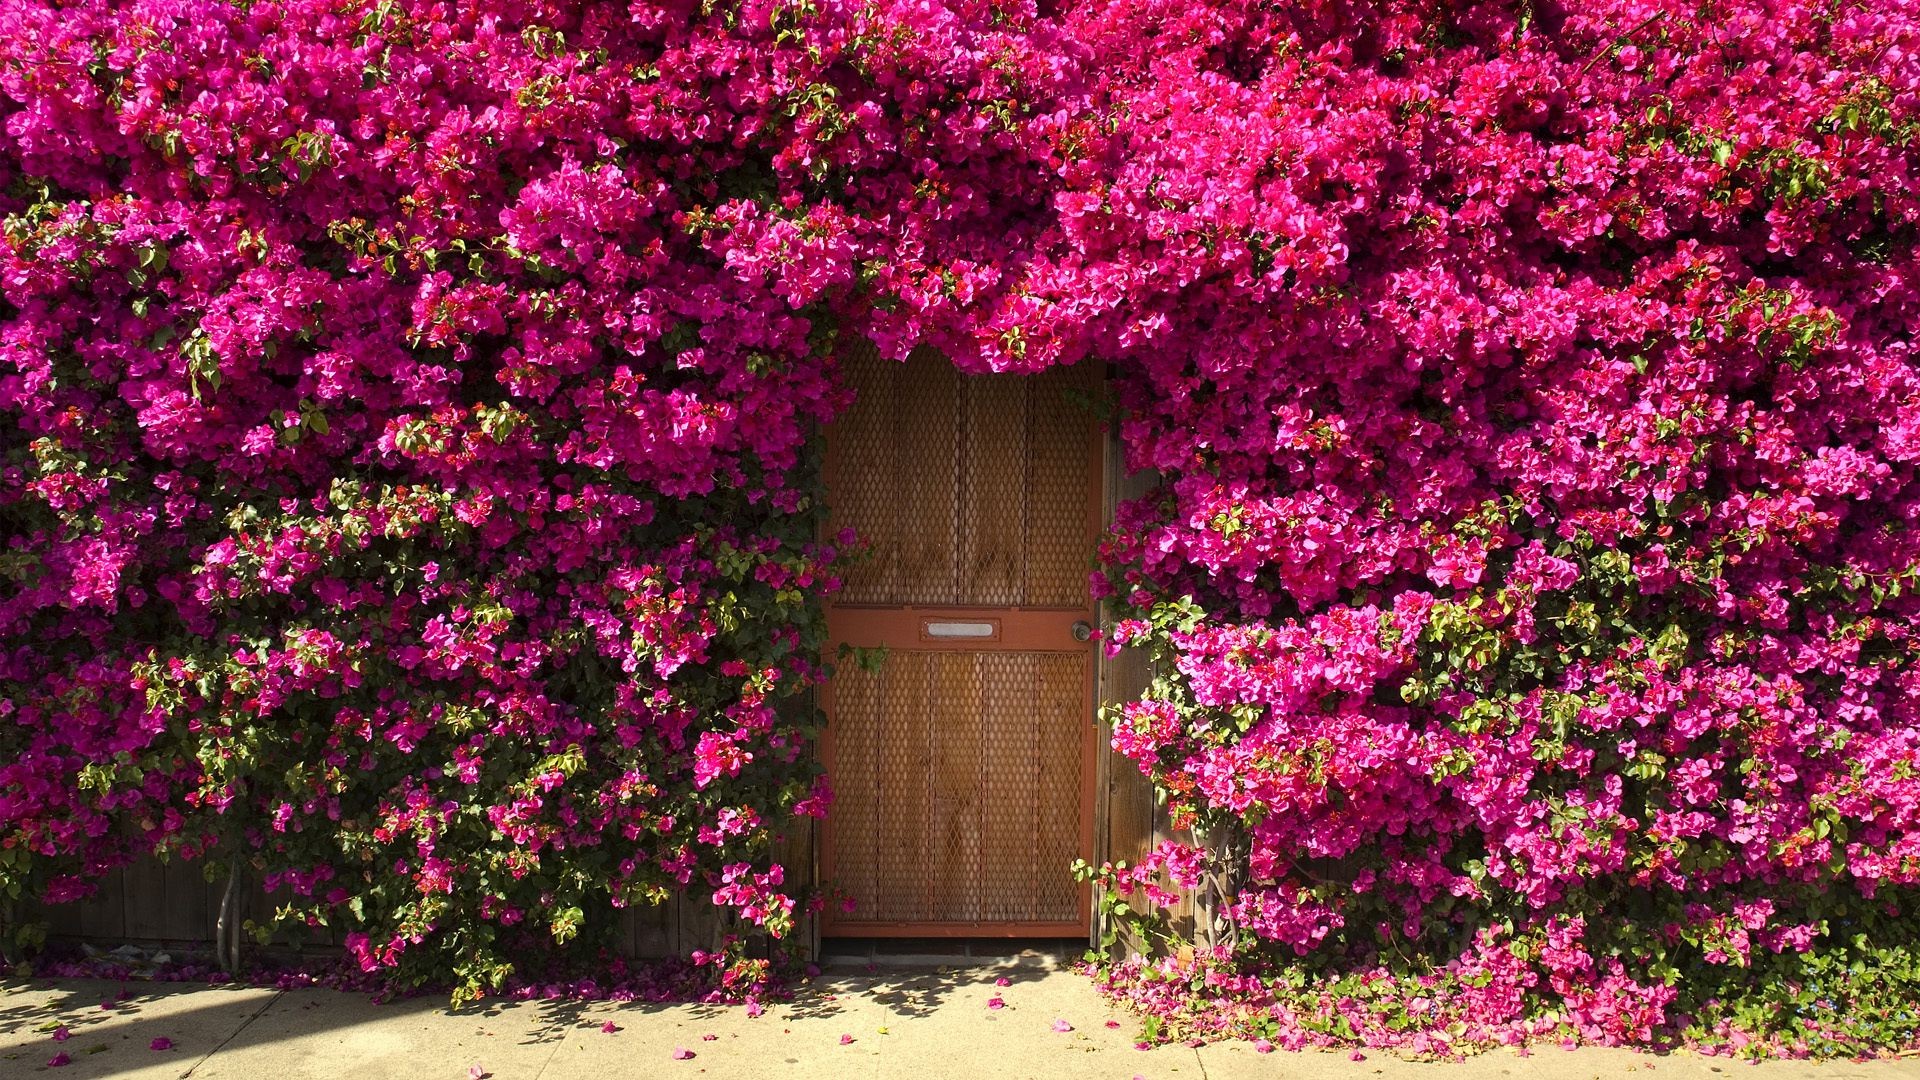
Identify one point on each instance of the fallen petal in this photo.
(1062, 1025)
(58, 1060)
(1003, 981)
(681, 1053)
(161, 1043)
(477, 1072)
(1357, 1056)
(1262, 1046)
(708, 1037)
(845, 1040)
(61, 1034)
(609, 1027)
(1113, 1023)
(995, 1002)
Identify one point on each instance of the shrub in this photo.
(408, 410)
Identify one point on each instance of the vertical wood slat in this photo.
(955, 814)
(903, 763)
(794, 850)
(1135, 818)
(856, 733)
(1060, 694)
(150, 901)
(648, 934)
(104, 915)
(1130, 796)
(1060, 476)
(925, 460)
(862, 456)
(1006, 764)
(993, 490)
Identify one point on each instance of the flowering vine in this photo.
(408, 415)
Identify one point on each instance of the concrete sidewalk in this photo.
(902, 1023)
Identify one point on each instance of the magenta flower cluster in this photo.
(1535, 393)
(408, 422)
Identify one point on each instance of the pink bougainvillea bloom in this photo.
(1262, 1046)
(477, 1072)
(161, 1043)
(1357, 1056)
(58, 1060)
(996, 1002)
(1413, 381)
(1062, 1025)
(1003, 981)
(1113, 1023)
(754, 1009)
(708, 1037)
(62, 1033)
(846, 1040)
(681, 1053)
(609, 1027)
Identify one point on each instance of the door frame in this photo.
(1016, 638)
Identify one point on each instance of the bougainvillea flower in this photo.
(1523, 401)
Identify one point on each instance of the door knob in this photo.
(1082, 631)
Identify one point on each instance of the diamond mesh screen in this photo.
(960, 794)
(969, 489)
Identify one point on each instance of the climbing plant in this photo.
(407, 419)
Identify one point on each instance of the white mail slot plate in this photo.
(963, 629)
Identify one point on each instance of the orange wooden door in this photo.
(963, 760)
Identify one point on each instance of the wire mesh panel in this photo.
(967, 489)
(962, 760)
(976, 772)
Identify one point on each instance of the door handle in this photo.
(1083, 630)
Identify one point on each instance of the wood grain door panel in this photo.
(963, 761)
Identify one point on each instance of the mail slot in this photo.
(960, 629)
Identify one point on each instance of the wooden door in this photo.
(962, 761)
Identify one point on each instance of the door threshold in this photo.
(1048, 954)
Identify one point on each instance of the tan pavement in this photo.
(907, 1024)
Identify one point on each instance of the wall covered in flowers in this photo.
(408, 417)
